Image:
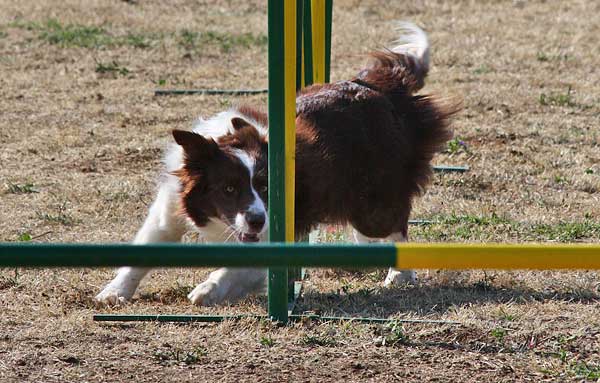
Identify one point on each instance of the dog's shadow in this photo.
(424, 301)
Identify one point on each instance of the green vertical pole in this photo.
(307, 39)
(299, 58)
(282, 42)
(295, 273)
(328, 22)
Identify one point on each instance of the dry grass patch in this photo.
(82, 136)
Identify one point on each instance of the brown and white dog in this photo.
(364, 148)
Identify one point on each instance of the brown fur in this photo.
(364, 147)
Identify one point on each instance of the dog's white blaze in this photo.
(257, 206)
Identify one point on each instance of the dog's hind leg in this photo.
(162, 224)
(394, 277)
(399, 277)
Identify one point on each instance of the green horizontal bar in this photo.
(420, 222)
(234, 92)
(450, 169)
(193, 255)
(221, 318)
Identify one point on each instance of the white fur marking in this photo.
(162, 224)
(413, 41)
(394, 277)
(228, 285)
(257, 206)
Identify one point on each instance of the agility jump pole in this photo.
(281, 255)
(282, 25)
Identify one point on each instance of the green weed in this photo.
(541, 56)
(192, 40)
(544, 57)
(267, 341)
(74, 35)
(483, 69)
(560, 179)
(24, 237)
(396, 335)
(318, 340)
(474, 227)
(586, 371)
(557, 99)
(457, 145)
(499, 333)
(21, 188)
(506, 316)
(567, 231)
(178, 355)
(60, 216)
(83, 36)
(137, 40)
(111, 67)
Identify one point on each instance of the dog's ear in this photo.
(240, 124)
(194, 145)
(246, 135)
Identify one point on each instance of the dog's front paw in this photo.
(206, 294)
(113, 296)
(400, 277)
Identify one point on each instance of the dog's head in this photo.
(226, 179)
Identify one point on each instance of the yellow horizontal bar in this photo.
(497, 256)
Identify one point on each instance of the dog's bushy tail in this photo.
(403, 68)
(399, 73)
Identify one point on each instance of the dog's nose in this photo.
(255, 221)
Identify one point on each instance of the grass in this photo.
(55, 32)
(53, 99)
(74, 35)
(112, 67)
(506, 316)
(545, 57)
(26, 188)
(319, 340)
(559, 179)
(60, 216)
(9, 281)
(24, 237)
(266, 341)
(567, 231)
(467, 227)
(499, 333)
(457, 145)
(482, 69)
(168, 355)
(92, 37)
(582, 370)
(193, 40)
(394, 335)
(558, 99)
(138, 40)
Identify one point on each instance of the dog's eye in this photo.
(263, 189)
(229, 189)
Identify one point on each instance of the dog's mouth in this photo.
(248, 237)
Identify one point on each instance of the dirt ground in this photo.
(82, 135)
